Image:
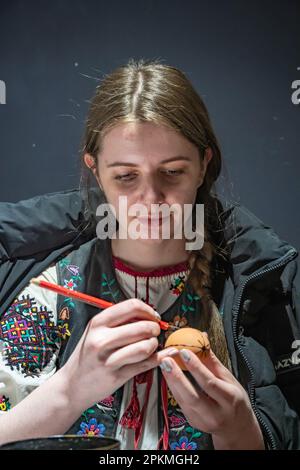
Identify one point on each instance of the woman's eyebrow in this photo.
(168, 160)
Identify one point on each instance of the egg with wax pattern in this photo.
(188, 338)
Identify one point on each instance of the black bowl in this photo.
(64, 442)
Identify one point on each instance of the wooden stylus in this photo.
(87, 299)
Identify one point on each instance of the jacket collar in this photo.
(47, 222)
(253, 245)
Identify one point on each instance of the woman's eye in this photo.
(125, 177)
(173, 172)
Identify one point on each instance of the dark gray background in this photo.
(242, 57)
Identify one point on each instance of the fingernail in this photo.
(165, 365)
(157, 315)
(185, 355)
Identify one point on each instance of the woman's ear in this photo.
(90, 162)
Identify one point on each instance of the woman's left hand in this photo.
(220, 406)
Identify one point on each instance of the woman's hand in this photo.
(118, 343)
(220, 406)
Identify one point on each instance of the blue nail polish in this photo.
(165, 365)
(185, 355)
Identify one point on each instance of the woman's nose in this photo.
(151, 192)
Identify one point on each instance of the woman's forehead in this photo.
(145, 142)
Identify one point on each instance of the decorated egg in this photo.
(188, 338)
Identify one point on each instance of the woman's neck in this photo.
(148, 256)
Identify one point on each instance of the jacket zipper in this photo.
(290, 255)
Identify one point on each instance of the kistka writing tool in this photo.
(87, 299)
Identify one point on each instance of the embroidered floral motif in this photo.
(111, 291)
(86, 413)
(189, 306)
(29, 334)
(179, 429)
(183, 444)
(4, 403)
(70, 282)
(107, 406)
(106, 402)
(177, 422)
(64, 314)
(74, 270)
(73, 281)
(178, 321)
(92, 428)
(171, 400)
(64, 330)
(178, 286)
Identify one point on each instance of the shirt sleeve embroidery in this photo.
(29, 342)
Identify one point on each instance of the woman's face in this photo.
(149, 164)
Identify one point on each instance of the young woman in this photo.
(65, 367)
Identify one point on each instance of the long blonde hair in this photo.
(149, 91)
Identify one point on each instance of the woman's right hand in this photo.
(118, 343)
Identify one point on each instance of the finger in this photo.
(138, 352)
(217, 368)
(115, 338)
(124, 312)
(218, 389)
(189, 398)
(132, 353)
(150, 363)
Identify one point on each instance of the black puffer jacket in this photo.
(260, 297)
